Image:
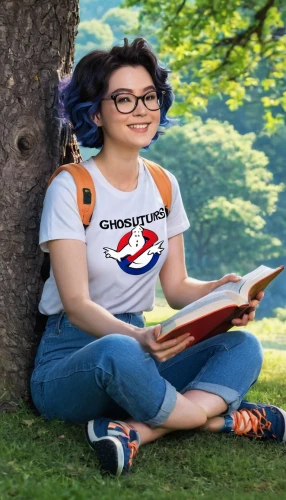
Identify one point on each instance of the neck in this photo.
(120, 168)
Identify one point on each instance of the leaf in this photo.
(268, 83)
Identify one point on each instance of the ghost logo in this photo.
(137, 251)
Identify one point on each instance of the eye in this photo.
(151, 96)
(122, 99)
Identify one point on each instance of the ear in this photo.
(97, 119)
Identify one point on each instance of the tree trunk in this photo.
(36, 47)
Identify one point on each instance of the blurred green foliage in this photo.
(280, 314)
(217, 47)
(227, 192)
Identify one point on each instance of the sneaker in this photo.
(115, 444)
(262, 421)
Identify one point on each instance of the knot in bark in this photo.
(26, 137)
(25, 143)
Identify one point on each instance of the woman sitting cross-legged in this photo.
(98, 363)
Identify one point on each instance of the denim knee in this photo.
(233, 367)
(251, 344)
(117, 351)
(120, 355)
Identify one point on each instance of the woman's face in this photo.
(133, 130)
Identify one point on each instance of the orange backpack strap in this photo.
(85, 189)
(162, 181)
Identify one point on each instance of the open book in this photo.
(213, 313)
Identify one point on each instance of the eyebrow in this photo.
(150, 87)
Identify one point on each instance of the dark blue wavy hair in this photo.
(81, 95)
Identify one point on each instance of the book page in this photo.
(201, 307)
(242, 287)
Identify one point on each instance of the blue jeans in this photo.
(79, 378)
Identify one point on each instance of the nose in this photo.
(140, 108)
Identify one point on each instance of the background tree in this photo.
(37, 40)
(216, 48)
(228, 194)
(247, 118)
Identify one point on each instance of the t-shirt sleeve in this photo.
(60, 218)
(177, 221)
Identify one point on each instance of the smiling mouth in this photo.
(140, 126)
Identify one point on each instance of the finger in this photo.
(173, 342)
(244, 319)
(234, 277)
(240, 321)
(251, 316)
(176, 349)
(236, 322)
(178, 346)
(258, 298)
(157, 331)
(255, 302)
(253, 307)
(230, 277)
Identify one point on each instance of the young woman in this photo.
(97, 362)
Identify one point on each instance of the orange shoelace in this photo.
(132, 445)
(251, 423)
(134, 450)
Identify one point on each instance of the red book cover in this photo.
(206, 326)
(219, 320)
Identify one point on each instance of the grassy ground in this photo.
(51, 460)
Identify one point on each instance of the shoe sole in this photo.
(109, 451)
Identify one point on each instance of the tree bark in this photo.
(36, 48)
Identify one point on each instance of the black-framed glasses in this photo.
(126, 102)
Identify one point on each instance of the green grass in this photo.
(51, 460)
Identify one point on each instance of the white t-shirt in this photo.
(126, 241)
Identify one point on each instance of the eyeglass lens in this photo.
(126, 103)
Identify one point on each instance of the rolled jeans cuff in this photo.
(230, 396)
(167, 407)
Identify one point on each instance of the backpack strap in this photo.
(85, 189)
(162, 181)
(86, 194)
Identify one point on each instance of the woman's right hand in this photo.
(161, 352)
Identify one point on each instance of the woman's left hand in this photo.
(253, 304)
(251, 315)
